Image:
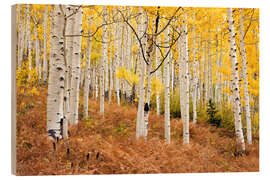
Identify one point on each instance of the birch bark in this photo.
(21, 35)
(87, 78)
(56, 77)
(104, 58)
(111, 72)
(246, 94)
(236, 96)
(28, 34)
(158, 76)
(167, 93)
(69, 30)
(195, 74)
(37, 54)
(139, 122)
(117, 54)
(186, 84)
(75, 68)
(45, 69)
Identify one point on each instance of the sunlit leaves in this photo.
(128, 75)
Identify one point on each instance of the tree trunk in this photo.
(117, 59)
(139, 123)
(236, 96)
(56, 77)
(87, 78)
(158, 76)
(75, 67)
(21, 34)
(185, 85)
(111, 72)
(45, 69)
(246, 94)
(28, 34)
(37, 54)
(195, 75)
(104, 61)
(167, 93)
(69, 29)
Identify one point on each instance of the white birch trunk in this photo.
(111, 73)
(209, 72)
(37, 54)
(185, 85)
(195, 74)
(236, 96)
(220, 74)
(246, 94)
(28, 34)
(139, 122)
(104, 61)
(75, 68)
(206, 96)
(21, 35)
(87, 78)
(158, 76)
(129, 60)
(96, 83)
(181, 72)
(56, 77)
(45, 69)
(69, 53)
(167, 92)
(117, 59)
(172, 71)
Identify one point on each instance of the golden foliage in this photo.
(128, 75)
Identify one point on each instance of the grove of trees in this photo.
(170, 60)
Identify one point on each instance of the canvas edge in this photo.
(13, 88)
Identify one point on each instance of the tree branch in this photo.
(139, 40)
(249, 23)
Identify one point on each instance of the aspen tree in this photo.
(235, 87)
(186, 84)
(111, 71)
(206, 89)
(37, 53)
(106, 67)
(45, 69)
(117, 57)
(149, 52)
(220, 66)
(139, 122)
(195, 73)
(87, 77)
(96, 82)
(158, 75)
(56, 76)
(129, 56)
(181, 73)
(69, 30)
(167, 93)
(217, 73)
(104, 58)
(124, 58)
(82, 73)
(28, 35)
(209, 72)
(172, 67)
(246, 94)
(75, 67)
(21, 34)
(199, 73)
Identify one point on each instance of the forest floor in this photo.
(114, 149)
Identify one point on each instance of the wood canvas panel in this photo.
(134, 90)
